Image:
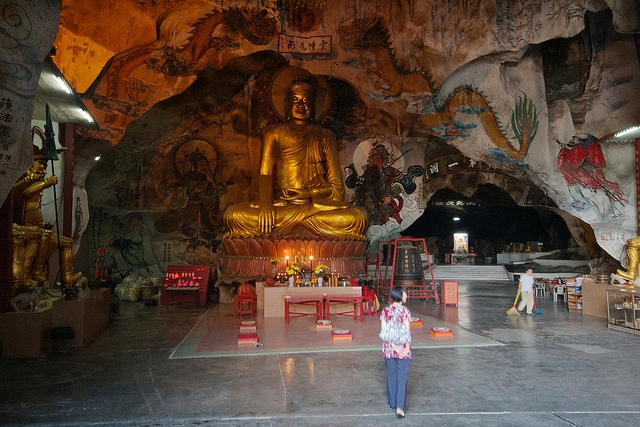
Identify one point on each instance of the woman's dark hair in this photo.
(396, 293)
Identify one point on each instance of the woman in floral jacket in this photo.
(397, 357)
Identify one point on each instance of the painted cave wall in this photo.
(529, 89)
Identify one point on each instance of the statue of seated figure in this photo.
(31, 234)
(301, 193)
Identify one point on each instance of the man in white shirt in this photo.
(525, 286)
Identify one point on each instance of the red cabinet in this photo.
(183, 278)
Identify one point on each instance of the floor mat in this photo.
(216, 335)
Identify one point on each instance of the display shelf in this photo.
(574, 295)
(623, 309)
(186, 276)
(181, 280)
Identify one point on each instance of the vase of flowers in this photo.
(319, 273)
(292, 271)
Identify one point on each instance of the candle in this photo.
(311, 261)
(287, 258)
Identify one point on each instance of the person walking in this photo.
(397, 357)
(525, 286)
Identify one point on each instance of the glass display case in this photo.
(623, 309)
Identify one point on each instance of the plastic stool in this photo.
(559, 290)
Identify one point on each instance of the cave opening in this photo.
(493, 221)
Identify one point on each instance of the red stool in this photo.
(245, 301)
(368, 301)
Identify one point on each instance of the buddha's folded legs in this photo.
(242, 220)
(349, 222)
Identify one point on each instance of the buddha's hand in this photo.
(266, 218)
(296, 194)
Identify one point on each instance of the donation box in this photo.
(450, 292)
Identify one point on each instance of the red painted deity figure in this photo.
(581, 162)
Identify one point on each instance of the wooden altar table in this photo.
(272, 301)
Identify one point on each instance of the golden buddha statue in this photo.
(300, 188)
(633, 259)
(33, 238)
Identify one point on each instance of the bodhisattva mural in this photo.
(195, 199)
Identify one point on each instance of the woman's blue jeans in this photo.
(397, 377)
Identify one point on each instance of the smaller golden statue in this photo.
(34, 241)
(301, 193)
(633, 259)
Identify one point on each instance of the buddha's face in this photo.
(302, 103)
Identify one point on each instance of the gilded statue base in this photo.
(266, 257)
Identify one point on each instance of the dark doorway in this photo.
(492, 220)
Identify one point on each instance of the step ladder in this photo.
(388, 252)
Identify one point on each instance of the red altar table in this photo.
(355, 312)
(316, 302)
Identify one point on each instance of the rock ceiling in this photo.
(501, 81)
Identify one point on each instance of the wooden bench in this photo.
(316, 302)
(337, 301)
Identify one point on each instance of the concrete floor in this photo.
(558, 368)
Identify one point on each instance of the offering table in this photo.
(273, 297)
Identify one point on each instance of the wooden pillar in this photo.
(66, 140)
(6, 252)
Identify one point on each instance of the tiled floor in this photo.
(556, 368)
(215, 335)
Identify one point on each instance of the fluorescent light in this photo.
(86, 115)
(627, 131)
(456, 218)
(96, 158)
(63, 85)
